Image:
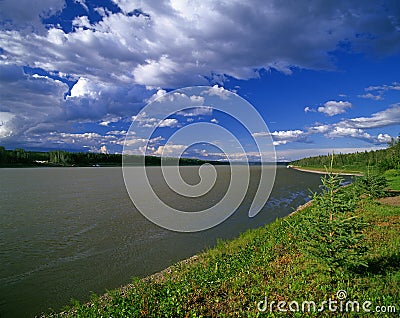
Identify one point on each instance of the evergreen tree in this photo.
(371, 185)
(333, 232)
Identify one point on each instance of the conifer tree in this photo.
(333, 232)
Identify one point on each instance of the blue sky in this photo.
(322, 74)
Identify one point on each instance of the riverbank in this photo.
(392, 175)
(323, 171)
(266, 263)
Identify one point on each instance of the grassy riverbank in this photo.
(232, 278)
(392, 175)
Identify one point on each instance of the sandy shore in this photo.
(323, 172)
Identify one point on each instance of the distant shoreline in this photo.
(311, 170)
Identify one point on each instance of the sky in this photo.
(323, 75)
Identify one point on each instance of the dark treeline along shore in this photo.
(23, 158)
(377, 161)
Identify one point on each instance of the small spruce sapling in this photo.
(333, 232)
(371, 185)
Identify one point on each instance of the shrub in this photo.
(371, 185)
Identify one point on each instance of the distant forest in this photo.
(378, 160)
(23, 158)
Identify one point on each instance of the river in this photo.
(67, 232)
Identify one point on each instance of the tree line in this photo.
(380, 160)
(20, 158)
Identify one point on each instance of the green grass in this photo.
(230, 279)
(393, 177)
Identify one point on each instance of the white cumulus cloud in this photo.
(309, 109)
(348, 132)
(197, 111)
(170, 150)
(387, 117)
(169, 122)
(218, 91)
(332, 108)
(282, 137)
(371, 96)
(394, 86)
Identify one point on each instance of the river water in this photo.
(67, 232)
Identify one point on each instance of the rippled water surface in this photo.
(66, 232)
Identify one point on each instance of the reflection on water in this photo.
(66, 232)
